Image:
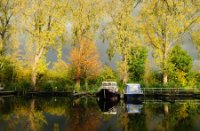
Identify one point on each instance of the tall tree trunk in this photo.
(34, 68)
(78, 83)
(86, 84)
(2, 45)
(165, 77)
(34, 75)
(124, 70)
(165, 71)
(125, 77)
(165, 51)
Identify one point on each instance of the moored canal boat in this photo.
(132, 92)
(108, 91)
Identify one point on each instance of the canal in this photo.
(91, 114)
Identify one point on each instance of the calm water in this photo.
(88, 114)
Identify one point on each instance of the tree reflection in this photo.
(132, 121)
(24, 116)
(84, 116)
(177, 116)
(33, 119)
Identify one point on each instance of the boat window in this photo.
(106, 84)
(114, 84)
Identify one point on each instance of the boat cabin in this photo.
(109, 85)
(133, 89)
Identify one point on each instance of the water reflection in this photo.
(108, 106)
(133, 108)
(87, 114)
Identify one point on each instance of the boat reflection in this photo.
(108, 106)
(134, 108)
(1, 100)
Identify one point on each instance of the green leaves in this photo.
(181, 65)
(181, 59)
(137, 62)
(120, 33)
(164, 24)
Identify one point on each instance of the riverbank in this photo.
(46, 93)
(148, 92)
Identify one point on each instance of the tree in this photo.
(85, 16)
(164, 22)
(8, 14)
(7, 70)
(137, 62)
(196, 38)
(181, 65)
(107, 73)
(45, 23)
(85, 63)
(85, 23)
(120, 32)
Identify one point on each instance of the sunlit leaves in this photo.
(181, 65)
(44, 23)
(164, 23)
(120, 33)
(9, 11)
(196, 38)
(84, 60)
(85, 16)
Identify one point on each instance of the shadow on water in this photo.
(90, 113)
(107, 105)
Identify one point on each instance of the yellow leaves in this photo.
(23, 73)
(42, 66)
(164, 23)
(44, 24)
(183, 111)
(181, 76)
(196, 39)
(85, 16)
(58, 111)
(60, 70)
(123, 70)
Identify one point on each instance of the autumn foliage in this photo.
(85, 62)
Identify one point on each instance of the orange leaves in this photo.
(84, 60)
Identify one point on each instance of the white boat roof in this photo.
(109, 82)
(132, 84)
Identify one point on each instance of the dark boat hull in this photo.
(105, 94)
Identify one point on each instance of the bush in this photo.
(136, 63)
(56, 79)
(181, 65)
(7, 71)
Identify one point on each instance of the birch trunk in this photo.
(35, 66)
